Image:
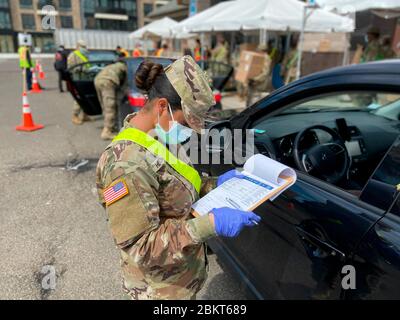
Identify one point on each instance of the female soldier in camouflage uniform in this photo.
(148, 192)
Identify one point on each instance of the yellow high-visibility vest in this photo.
(152, 145)
(23, 58)
(82, 57)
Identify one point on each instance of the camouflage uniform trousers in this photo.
(77, 111)
(106, 92)
(138, 294)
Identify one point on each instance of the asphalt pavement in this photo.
(49, 215)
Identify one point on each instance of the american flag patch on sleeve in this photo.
(115, 192)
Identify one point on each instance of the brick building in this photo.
(26, 16)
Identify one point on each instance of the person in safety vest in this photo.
(108, 82)
(122, 53)
(373, 49)
(137, 52)
(26, 62)
(79, 57)
(197, 51)
(147, 186)
(221, 52)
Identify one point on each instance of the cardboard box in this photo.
(248, 47)
(325, 42)
(250, 65)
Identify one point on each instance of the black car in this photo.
(102, 55)
(81, 85)
(335, 234)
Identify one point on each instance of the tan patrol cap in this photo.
(82, 43)
(193, 86)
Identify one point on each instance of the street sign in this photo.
(24, 39)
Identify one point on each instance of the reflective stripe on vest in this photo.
(152, 145)
(82, 57)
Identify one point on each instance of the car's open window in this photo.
(383, 186)
(87, 71)
(367, 122)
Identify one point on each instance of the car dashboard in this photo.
(367, 138)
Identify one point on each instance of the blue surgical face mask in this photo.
(176, 134)
(84, 51)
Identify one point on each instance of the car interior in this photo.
(339, 138)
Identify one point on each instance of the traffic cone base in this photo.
(35, 84)
(42, 75)
(35, 88)
(27, 120)
(29, 129)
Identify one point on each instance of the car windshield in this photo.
(102, 56)
(380, 104)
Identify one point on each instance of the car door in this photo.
(377, 259)
(306, 236)
(80, 83)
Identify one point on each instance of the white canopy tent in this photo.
(344, 6)
(274, 15)
(192, 22)
(158, 29)
(271, 15)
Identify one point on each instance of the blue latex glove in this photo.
(229, 175)
(229, 222)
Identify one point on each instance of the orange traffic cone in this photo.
(27, 120)
(42, 75)
(35, 83)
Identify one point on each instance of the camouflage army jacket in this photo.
(161, 243)
(73, 60)
(372, 52)
(115, 73)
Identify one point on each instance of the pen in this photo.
(233, 203)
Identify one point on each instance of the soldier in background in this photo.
(108, 83)
(372, 51)
(261, 82)
(79, 56)
(165, 51)
(289, 63)
(387, 50)
(221, 51)
(148, 193)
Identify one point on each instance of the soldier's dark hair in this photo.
(151, 78)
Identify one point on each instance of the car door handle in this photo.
(318, 247)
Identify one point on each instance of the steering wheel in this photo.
(328, 161)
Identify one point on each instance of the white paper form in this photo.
(249, 192)
(236, 194)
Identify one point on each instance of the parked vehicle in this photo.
(102, 55)
(340, 130)
(82, 87)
